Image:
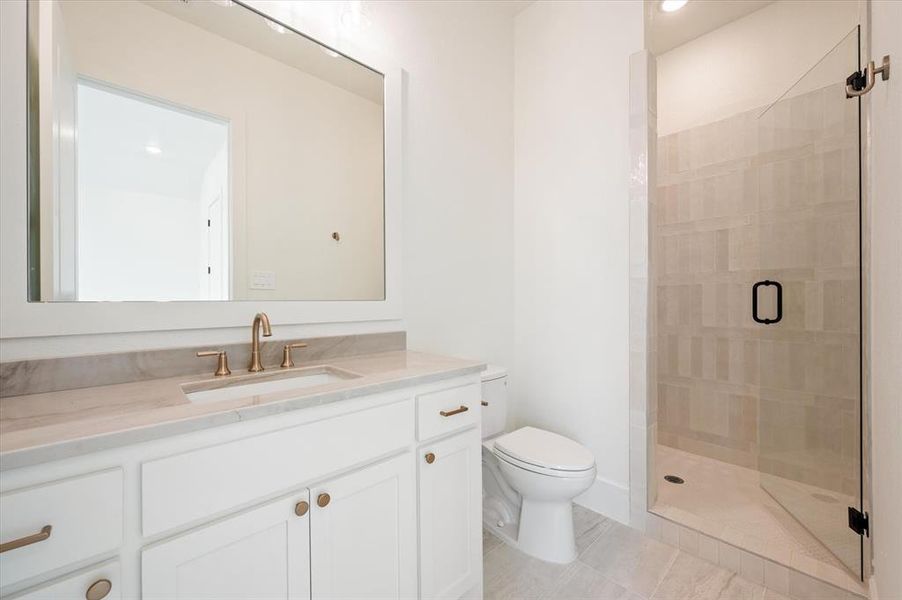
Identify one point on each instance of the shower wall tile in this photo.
(763, 194)
(643, 189)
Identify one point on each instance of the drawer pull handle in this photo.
(27, 540)
(456, 411)
(484, 403)
(301, 508)
(99, 590)
(323, 500)
(430, 458)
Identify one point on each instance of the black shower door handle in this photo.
(767, 283)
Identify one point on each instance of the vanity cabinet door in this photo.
(363, 533)
(263, 553)
(450, 515)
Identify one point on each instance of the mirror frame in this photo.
(20, 318)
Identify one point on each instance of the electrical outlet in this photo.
(263, 280)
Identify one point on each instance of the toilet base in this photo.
(546, 530)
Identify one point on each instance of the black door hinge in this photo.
(859, 522)
(858, 80)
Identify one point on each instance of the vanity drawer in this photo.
(447, 410)
(90, 583)
(202, 483)
(85, 519)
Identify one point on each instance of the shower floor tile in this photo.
(726, 501)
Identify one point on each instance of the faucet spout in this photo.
(259, 319)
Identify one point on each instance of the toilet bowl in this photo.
(530, 477)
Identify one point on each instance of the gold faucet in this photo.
(259, 318)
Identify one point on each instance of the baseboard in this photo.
(607, 498)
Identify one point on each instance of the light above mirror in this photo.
(217, 154)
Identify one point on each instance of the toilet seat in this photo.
(544, 453)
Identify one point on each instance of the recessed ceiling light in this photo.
(153, 149)
(673, 5)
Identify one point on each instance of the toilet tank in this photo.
(494, 397)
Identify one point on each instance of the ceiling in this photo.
(246, 28)
(114, 129)
(669, 30)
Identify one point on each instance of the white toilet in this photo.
(529, 479)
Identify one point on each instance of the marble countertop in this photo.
(38, 428)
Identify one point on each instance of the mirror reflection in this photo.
(199, 151)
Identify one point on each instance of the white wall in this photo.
(458, 225)
(886, 313)
(458, 188)
(571, 220)
(750, 62)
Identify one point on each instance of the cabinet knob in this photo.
(99, 590)
(430, 458)
(301, 508)
(323, 500)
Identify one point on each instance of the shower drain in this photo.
(673, 479)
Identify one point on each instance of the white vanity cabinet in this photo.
(102, 582)
(451, 515)
(59, 523)
(261, 553)
(450, 491)
(331, 501)
(363, 527)
(353, 537)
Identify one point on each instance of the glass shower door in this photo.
(806, 303)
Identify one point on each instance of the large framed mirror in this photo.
(198, 150)
(182, 164)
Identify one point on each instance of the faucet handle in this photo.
(286, 353)
(222, 366)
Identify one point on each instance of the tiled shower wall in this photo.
(752, 197)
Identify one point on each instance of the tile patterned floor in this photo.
(615, 563)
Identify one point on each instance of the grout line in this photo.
(595, 541)
(498, 545)
(561, 579)
(666, 571)
(605, 577)
(606, 525)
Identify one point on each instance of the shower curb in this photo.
(754, 566)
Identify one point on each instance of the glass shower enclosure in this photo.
(805, 302)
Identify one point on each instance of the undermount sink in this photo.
(244, 386)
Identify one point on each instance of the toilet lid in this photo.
(545, 449)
